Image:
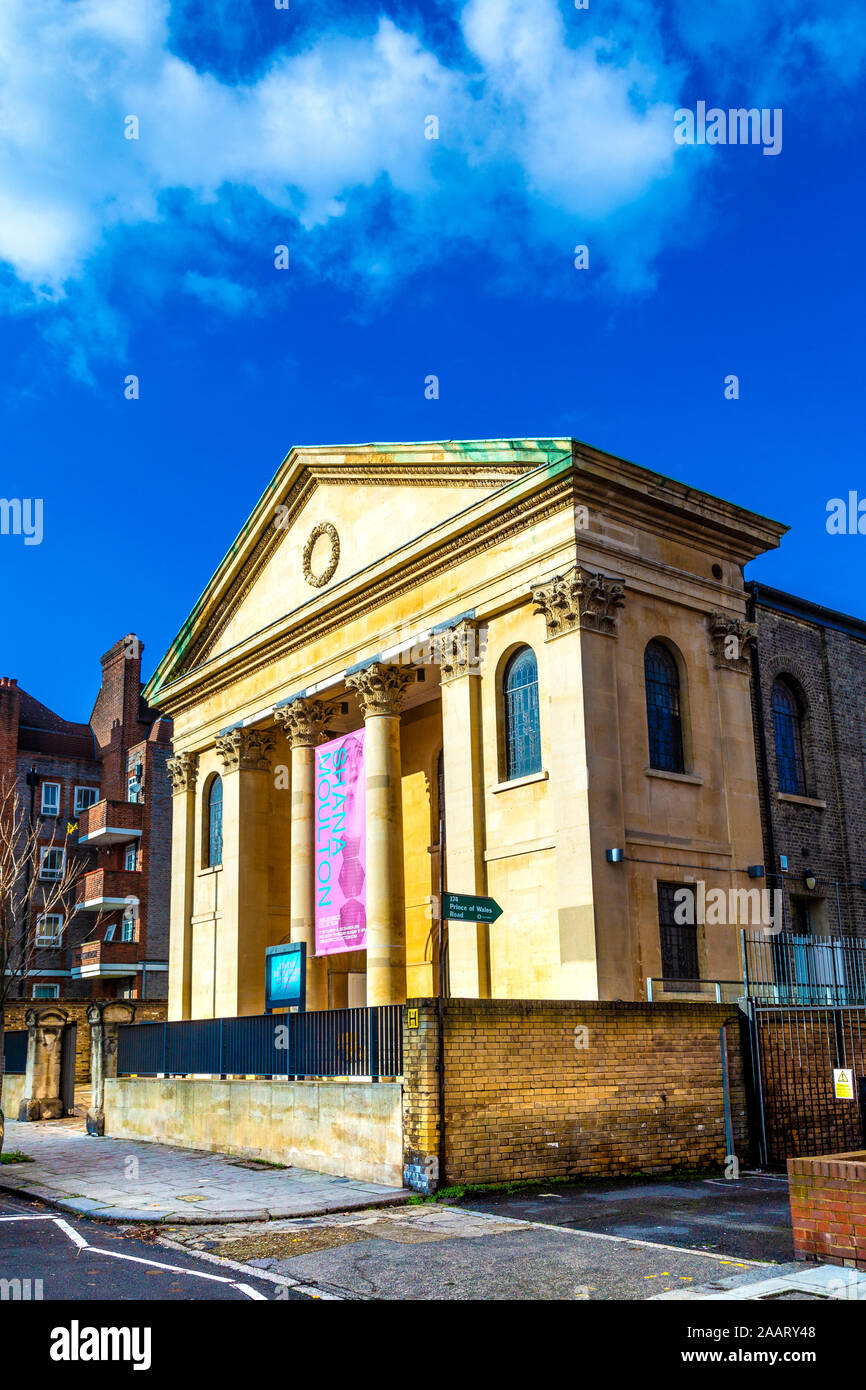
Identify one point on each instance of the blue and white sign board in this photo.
(286, 977)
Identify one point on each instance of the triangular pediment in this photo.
(330, 514)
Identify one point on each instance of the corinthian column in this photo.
(380, 689)
(304, 723)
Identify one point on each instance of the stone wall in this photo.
(12, 1094)
(350, 1128)
(537, 1089)
(828, 1208)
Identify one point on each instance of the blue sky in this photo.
(408, 256)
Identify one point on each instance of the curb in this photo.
(134, 1215)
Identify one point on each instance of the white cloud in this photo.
(568, 134)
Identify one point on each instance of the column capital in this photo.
(731, 640)
(380, 688)
(182, 770)
(459, 650)
(245, 749)
(580, 598)
(303, 721)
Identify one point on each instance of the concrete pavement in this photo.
(126, 1180)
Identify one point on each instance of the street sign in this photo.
(463, 907)
(843, 1081)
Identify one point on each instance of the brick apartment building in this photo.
(105, 780)
(809, 702)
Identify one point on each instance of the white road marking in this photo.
(624, 1240)
(77, 1239)
(73, 1235)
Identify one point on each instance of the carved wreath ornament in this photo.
(319, 581)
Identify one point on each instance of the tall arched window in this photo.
(663, 713)
(520, 701)
(215, 823)
(788, 729)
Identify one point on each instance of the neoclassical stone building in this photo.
(546, 649)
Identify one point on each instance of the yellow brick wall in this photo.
(525, 1098)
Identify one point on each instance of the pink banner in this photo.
(341, 853)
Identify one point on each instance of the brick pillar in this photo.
(421, 1130)
(41, 1100)
(182, 770)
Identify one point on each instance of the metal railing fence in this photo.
(336, 1042)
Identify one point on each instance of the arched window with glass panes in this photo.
(788, 731)
(215, 823)
(663, 709)
(520, 703)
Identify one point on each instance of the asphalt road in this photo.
(82, 1260)
(748, 1217)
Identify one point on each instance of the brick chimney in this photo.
(10, 709)
(114, 720)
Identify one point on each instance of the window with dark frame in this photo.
(522, 728)
(788, 731)
(679, 940)
(215, 824)
(663, 712)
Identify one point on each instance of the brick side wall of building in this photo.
(829, 670)
(157, 830)
(828, 1208)
(538, 1089)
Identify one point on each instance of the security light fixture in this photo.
(613, 856)
(810, 880)
(756, 871)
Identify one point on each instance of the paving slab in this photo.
(124, 1180)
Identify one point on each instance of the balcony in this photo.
(104, 958)
(110, 823)
(104, 889)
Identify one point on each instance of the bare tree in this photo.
(38, 879)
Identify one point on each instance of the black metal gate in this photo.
(795, 1050)
(67, 1068)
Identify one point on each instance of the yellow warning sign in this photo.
(843, 1081)
(412, 1018)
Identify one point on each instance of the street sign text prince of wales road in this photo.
(463, 907)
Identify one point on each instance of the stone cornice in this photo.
(182, 770)
(334, 612)
(245, 750)
(580, 598)
(380, 688)
(479, 464)
(304, 721)
(530, 491)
